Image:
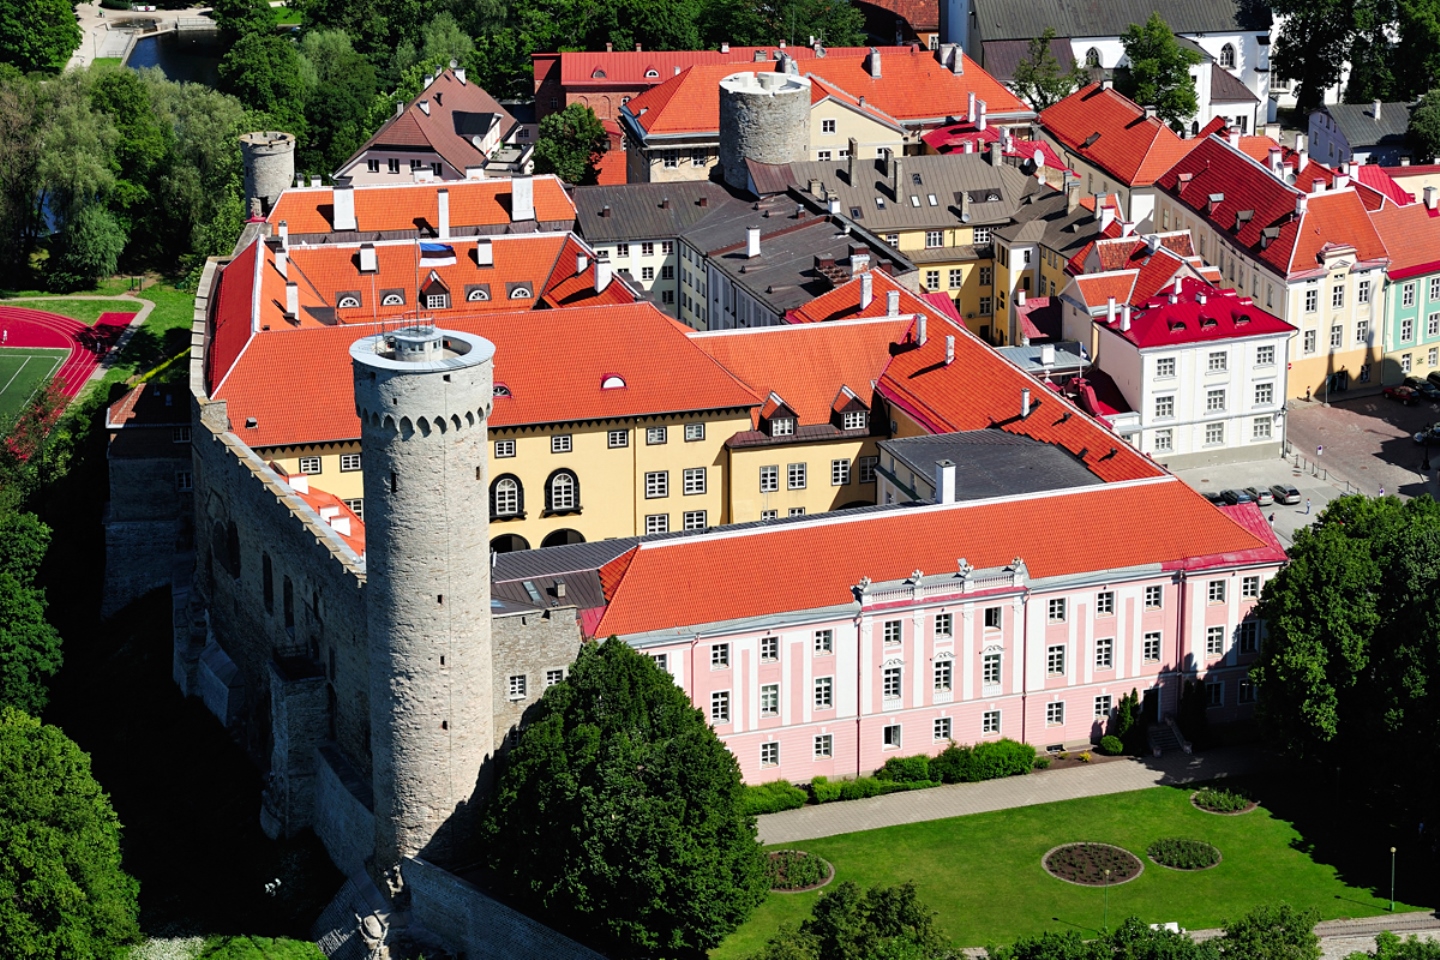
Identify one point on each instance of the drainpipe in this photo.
(859, 709)
(1024, 661)
(1179, 654)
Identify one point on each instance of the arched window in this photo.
(1092, 58)
(479, 293)
(1227, 57)
(562, 492)
(651, 74)
(507, 497)
(612, 382)
(348, 301)
(393, 300)
(500, 390)
(520, 293)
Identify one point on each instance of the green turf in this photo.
(981, 874)
(22, 371)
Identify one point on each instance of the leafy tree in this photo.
(1390, 947)
(850, 924)
(378, 27)
(1276, 932)
(441, 40)
(1132, 940)
(1416, 57)
(38, 34)
(570, 143)
(1038, 77)
(62, 890)
(29, 645)
(341, 91)
(76, 165)
(236, 18)
(618, 816)
(21, 124)
(836, 23)
(1159, 71)
(1371, 53)
(263, 72)
(88, 250)
(1314, 40)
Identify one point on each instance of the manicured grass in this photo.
(22, 371)
(981, 874)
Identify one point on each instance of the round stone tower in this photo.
(269, 161)
(763, 117)
(423, 397)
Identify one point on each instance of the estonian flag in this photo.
(436, 255)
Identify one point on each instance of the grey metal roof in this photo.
(638, 211)
(1002, 56)
(992, 463)
(1357, 122)
(877, 203)
(1224, 88)
(1030, 357)
(785, 276)
(1023, 19)
(1044, 217)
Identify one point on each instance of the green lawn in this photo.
(982, 873)
(22, 371)
(86, 311)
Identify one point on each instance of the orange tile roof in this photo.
(807, 364)
(1412, 237)
(334, 508)
(1097, 288)
(447, 100)
(843, 302)
(406, 206)
(680, 583)
(821, 91)
(614, 68)
(298, 385)
(1130, 146)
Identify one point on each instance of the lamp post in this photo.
(1392, 879)
(1107, 897)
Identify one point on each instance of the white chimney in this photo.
(1431, 197)
(752, 242)
(921, 331)
(949, 350)
(1234, 139)
(484, 254)
(299, 179)
(1300, 204)
(292, 299)
(892, 303)
(980, 121)
(1201, 296)
(298, 482)
(1341, 182)
(581, 262)
(314, 181)
(282, 262)
(944, 481)
(522, 199)
(368, 263)
(1276, 158)
(1110, 310)
(460, 75)
(1302, 147)
(970, 145)
(474, 173)
(1317, 186)
(867, 289)
(872, 65)
(1125, 317)
(429, 79)
(1024, 403)
(1020, 297)
(603, 273)
(442, 204)
(1177, 285)
(341, 525)
(1107, 212)
(424, 106)
(1377, 110)
(343, 198)
(285, 234)
(970, 107)
(1047, 354)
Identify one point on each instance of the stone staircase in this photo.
(357, 923)
(1164, 736)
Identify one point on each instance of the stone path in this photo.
(1048, 786)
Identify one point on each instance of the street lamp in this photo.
(1392, 879)
(1107, 897)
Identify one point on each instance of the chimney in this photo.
(581, 262)
(484, 253)
(1377, 111)
(1276, 158)
(1431, 198)
(1201, 296)
(1234, 138)
(368, 262)
(833, 205)
(605, 210)
(1342, 181)
(980, 121)
(1110, 310)
(343, 198)
(922, 333)
(299, 179)
(1020, 297)
(944, 481)
(560, 589)
(969, 146)
(399, 109)
(314, 181)
(852, 160)
(1317, 185)
(892, 303)
(429, 79)
(603, 273)
(1300, 202)
(285, 234)
(1125, 317)
(424, 106)
(970, 107)
(474, 173)
(341, 525)
(994, 154)
(724, 47)
(460, 75)
(282, 262)
(442, 205)
(522, 199)
(664, 203)
(1024, 403)
(1107, 212)
(1302, 147)
(1047, 354)
(1287, 170)
(949, 350)
(957, 62)
(292, 299)
(859, 259)
(867, 289)
(752, 242)
(897, 174)
(1178, 281)
(1072, 196)
(872, 63)
(637, 48)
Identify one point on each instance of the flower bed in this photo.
(1085, 864)
(792, 871)
(1222, 801)
(1180, 854)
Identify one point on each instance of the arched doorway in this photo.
(562, 537)
(509, 543)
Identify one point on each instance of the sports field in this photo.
(23, 370)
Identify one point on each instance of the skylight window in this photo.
(880, 202)
(934, 200)
(915, 179)
(914, 200)
(612, 382)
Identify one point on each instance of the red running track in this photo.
(23, 327)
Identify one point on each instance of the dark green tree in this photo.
(618, 817)
(142, 153)
(21, 127)
(378, 27)
(836, 23)
(342, 89)
(1372, 55)
(62, 890)
(1275, 932)
(1417, 60)
(1314, 41)
(1158, 74)
(262, 71)
(570, 143)
(847, 923)
(38, 34)
(29, 645)
(1039, 78)
(236, 18)
(88, 249)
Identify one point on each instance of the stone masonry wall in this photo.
(344, 815)
(529, 645)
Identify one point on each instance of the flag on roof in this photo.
(436, 255)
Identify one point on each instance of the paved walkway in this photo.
(1046, 786)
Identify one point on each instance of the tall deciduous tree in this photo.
(1314, 40)
(38, 34)
(1159, 71)
(1039, 77)
(1372, 55)
(618, 818)
(1424, 130)
(1272, 932)
(263, 72)
(62, 890)
(1417, 57)
(569, 144)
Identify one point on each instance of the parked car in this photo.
(1434, 377)
(1214, 496)
(1425, 388)
(1233, 497)
(1404, 394)
(1285, 493)
(1261, 495)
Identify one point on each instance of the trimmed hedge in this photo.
(773, 797)
(989, 760)
(1111, 746)
(825, 790)
(905, 769)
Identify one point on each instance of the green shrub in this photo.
(860, 788)
(1183, 854)
(822, 790)
(1111, 746)
(796, 870)
(258, 948)
(773, 797)
(905, 769)
(989, 760)
(1220, 800)
(952, 765)
(1042, 762)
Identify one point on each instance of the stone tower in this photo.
(763, 117)
(423, 397)
(269, 161)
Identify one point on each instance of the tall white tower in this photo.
(423, 396)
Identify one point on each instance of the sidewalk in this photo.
(1044, 786)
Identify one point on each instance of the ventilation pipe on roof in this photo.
(752, 242)
(892, 303)
(292, 300)
(944, 481)
(677, 70)
(725, 47)
(442, 206)
(980, 121)
(1431, 197)
(867, 289)
(603, 273)
(1376, 105)
(1110, 310)
(872, 63)
(285, 234)
(1152, 112)
(637, 48)
(970, 107)
(581, 262)
(1024, 403)
(922, 332)
(424, 106)
(949, 350)
(1125, 317)
(522, 199)
(343, 198)
(1302, 147)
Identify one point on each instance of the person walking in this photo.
(1382, 491)
(1307, 506)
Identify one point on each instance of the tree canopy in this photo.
(846, 923)
(62, 890)
(1158, 74)
(1270, 932)
(1038, 77)
(29, 645)
(570, 143)
(38, 34)
(618, 815)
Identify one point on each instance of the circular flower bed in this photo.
(1086, 863)
(1179, 854)
(792, 871)
(1222, 801)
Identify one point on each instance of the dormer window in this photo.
(652, 74)
(612, 382)
(500, 390)
(348, 301)
(392, 299)
(478, 293)
(598, 74)
(438, 300)
(855, 419)
(782, 427)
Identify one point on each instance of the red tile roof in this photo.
(447, 101)
(921, 15)
(953, 137)
(807, 364)
(231, 318)
(821, 91)
(815, 564)
(629, 68)
(331, 508)
(405, 206)
(843, 303)
(1412, 237)
(298, 386)
(1130, 146)
(1156, 322)
(1376, 178)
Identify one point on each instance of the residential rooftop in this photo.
(988, 464)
